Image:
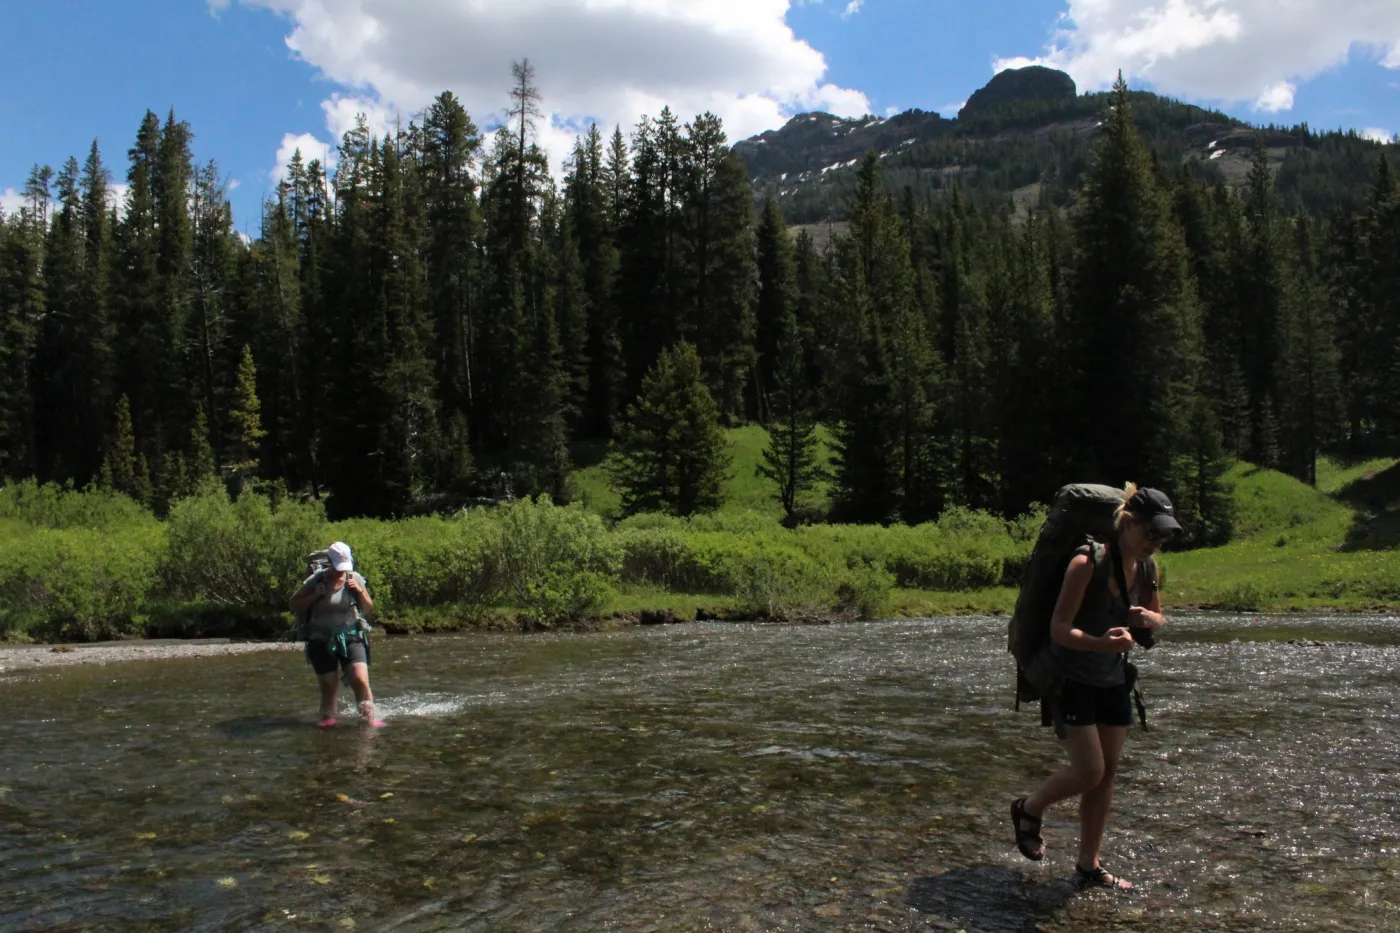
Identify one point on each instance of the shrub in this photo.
(53, 506)
(242, 553)
(866, 591)
(554, 562)
(76, 584)
(429, 561)
(1246, 596)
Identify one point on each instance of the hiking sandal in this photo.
(1098, 877)
(1027, 829)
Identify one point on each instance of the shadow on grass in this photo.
(1375, 498)
(990, 899)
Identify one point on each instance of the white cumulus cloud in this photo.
(11, 201)
(308, 145)
(1276, 97)
(1376, 134)
(606, 60)
(1227, 50)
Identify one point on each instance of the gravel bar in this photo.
(31, 657)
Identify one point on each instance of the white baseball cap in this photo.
(339, 554)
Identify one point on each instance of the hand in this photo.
(1117, 641)
(1138, 617)
(354, 584)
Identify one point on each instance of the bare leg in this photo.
(330, 690)
(1095, 805)
(359, 682)
(1085, 771)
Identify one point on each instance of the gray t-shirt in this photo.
(1100, 611)
(332, 613)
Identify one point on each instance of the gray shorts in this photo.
(324, 661)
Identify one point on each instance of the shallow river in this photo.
(704, 777)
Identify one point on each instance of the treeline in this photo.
(437, 319)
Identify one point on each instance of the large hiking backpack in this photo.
(317, 563)
(1081, 519)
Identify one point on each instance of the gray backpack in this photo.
(317, 563)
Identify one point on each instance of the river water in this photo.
(701, 777)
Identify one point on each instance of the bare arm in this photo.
(1062, 629)
(1149, 616)
(361, 595)
(304, 598)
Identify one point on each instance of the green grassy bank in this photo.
(89, 565)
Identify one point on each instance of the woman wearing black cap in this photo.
(1092, 632)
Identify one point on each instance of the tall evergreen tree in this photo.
(1259, 298)
(1135, 332)
(777, 301)
(593, 192)
(671, 455)
(1308, 377)
(22, 309)
(451, 143)
(890, 461)
(245, 421)
(58, 437)
(791, 460)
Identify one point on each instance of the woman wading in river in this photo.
(335, 602)
(1090, 637)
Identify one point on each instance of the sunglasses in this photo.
(1155, 536)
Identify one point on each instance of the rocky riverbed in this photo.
(29, 657)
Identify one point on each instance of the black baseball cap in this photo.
(1154, 509)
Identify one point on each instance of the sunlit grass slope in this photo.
(1298, 547)
(745, 490)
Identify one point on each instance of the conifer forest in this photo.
(439, 320)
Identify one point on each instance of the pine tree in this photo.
(868, 479)
(94, 363)
(545, 447)
(593, 190)
(671, 454)
(568, 309)
(1309, 376)
(144, 350)
(890, 458)
(22, 303)
(245, 420)
(1259, 298)
(208, 268)
(777, 300)
(122, 469)
(1203, 502)
(1024, 353)
(1378, 327)
(451, 143)
(516, 278)
(202, 466)
(57, 444)
(791, 459)
(714, 261)
(1135, 331)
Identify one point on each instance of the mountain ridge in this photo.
(1030, 127)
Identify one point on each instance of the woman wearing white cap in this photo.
(336, 602)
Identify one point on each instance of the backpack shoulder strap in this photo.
(1149, 567)
(1098, 556)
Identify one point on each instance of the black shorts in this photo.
(323, 661)
(1082, 705)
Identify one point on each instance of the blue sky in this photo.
(256, 78)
